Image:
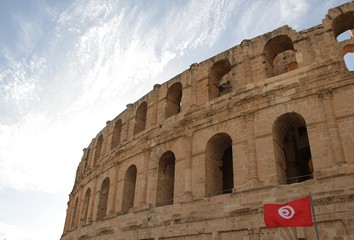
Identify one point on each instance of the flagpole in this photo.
(314, 217)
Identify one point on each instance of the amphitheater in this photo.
(267, 121)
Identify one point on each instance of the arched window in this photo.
(129, 188)
(173, 100)
(74, 214)
(342, 24)
(219, 165)
(140, 118)
(292, 149)
(116, 134)
(343, 29)
(166, 179)
(87, 159)
(85, 206)
(219, 79)
(98, 149)
(279, 55)
(103, 199)
(348, 53)
(345, 36)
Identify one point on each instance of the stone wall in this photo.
(267, 121)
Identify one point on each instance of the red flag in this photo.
(296, 213)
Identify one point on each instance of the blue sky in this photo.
(66, 67)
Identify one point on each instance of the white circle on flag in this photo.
(286, 212)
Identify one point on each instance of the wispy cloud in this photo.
(19, 84)
(97, 57)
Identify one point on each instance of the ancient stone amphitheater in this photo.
(267, 121)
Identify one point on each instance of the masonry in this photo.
(267, 121)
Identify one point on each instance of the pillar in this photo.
(336, 149)
(155, 105)
(93, 200)
(248, 118)
(113, 199)
(194, 82)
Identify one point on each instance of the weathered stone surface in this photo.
(267, 121)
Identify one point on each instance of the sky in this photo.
(68, 66)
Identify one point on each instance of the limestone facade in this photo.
(267, 121)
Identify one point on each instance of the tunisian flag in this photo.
(296, 213)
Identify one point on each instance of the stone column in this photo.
(79, 206)
(108, 140)
(142, 200)
(248, 118)
(92, 201)
(194, 82)
(70, 210)
(115, 188)
(325, 96)
(247, 64)
(188, 170)
(129, 116)
(67, 218)
(155, 105)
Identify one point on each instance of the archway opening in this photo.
(85, 206)
(292, 149)
(129, 188)
(98, 150)
(219, 165)
(74, 216)
(140, 118)
(173, 100)
(117, 129)
(219, 79)
(348, 53)
(279, 55)
(103, 199)
(166, 179)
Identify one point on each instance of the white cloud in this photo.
(291, 10)
(30, 155)
(12, 232)
(102, 61)
(20, 81)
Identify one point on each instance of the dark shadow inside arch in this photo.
(292, 149)
(166, 179)
(219, 165)
(103, 199)
(129, 188)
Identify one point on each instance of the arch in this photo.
(348, 56)
(292, 149)
(103, 199)
(74, 216)
(166, 179)
(279, 55)
(343, 23)
(117, 129)
(85, 206)
(129, 188)
(219, 165)
(347, 35)
(140, 118)
(98, 149)
(87, 159)
(173, 100)
(219, 79)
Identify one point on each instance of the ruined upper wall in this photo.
(256, 65)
